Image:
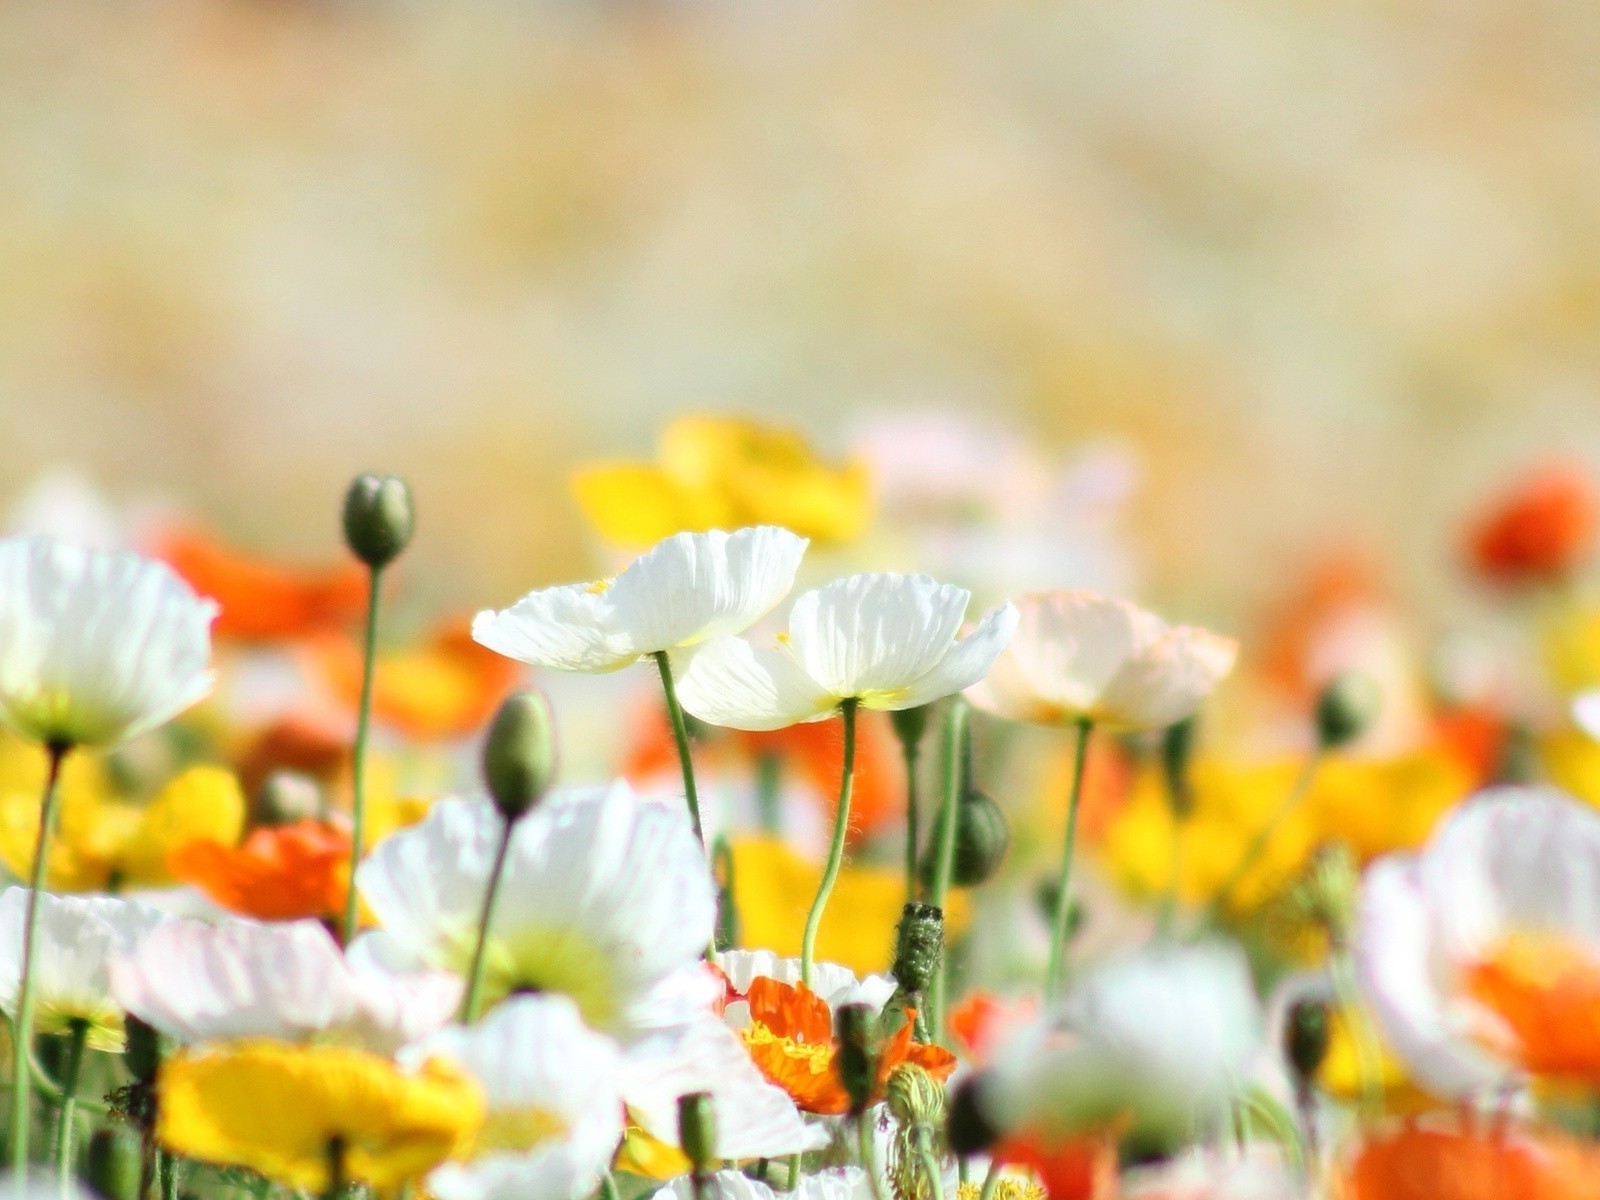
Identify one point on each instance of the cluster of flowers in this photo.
(536, 992)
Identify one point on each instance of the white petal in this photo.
(833, 1183)
(695, 586)
(568, 628)
(876, 632)
(964, 664)
(730, 682)
(1167, 680)
(1586, 712)
(835, 984)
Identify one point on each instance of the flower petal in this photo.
(568, 628)
(875, 632)
(966, 662)
(728, 681)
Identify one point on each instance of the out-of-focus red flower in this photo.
(303, 744)
(446, 687)
(1076, 1168)
(262, 600)
(1538, 533)
(982, 1019)
(1414, 1163)
(278, 873)
(1475, 735)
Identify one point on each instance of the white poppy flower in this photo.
(1077, 656)
(197, 982)
(886, 641)
(604, 899)
(96, 646)
(688, 588)
(1163, 1036)
(1481, 955)
(78, 938)
(836, 1183)
(753, 1118)
(554, 1105)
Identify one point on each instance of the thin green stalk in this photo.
(358, 763)
(794, 1173)
(955, 772)
(22, 1026)
(608, 1186)
(868, 1158)
(167, 1165)
(991, 1181)
(841, 825)
(1258, 844)
(769, 779)
(680, 734)
(913, 839)
(336, 1169)
(930, 1165)
(491, 895)
(1062, 920)
(77, 1034)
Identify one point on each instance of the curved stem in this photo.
(1258, 844)
(955, 774)
(680, 734)
(1062, 920)
(22, 1025)
(78, 1033)
(358, 762)
(491, 895)
(841, 825)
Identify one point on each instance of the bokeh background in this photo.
(1314, 273)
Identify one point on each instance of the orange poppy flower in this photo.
(1540, 531)
(1077, 1168)
(790, 1038)
(980, 1020)
(444, 688)
(278, 873)
(1413, 1163)
(263, 600)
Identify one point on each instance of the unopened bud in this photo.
(519, 754)
(969, 1130)
(144, 1049)
(914, 1096)
(1177, 748)
(982, 839)
(697, 1130)
(114, 1162)
(910, 724)
(1306, 1033)
(286, 797)
(378, 521)
(856, 1058)
(919, 947)
(1348, 705)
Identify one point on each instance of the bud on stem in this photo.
(378, 520)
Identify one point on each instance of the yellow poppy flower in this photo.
(725, 473)
(279, 1109)
(102, 842)
(773, 887)
(642, 1153)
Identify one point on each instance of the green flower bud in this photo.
(378, 521)
(286, 797)
(982, 838)
(919, 947)
(144, 1049)
(114, 1163)
(1346, 709)
(519, 755)
(910, 724)
(1306, 1033)
(914, 1096)
(856, 1060)
(697, 1130)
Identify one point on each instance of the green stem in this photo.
(955, 772)
(608, 1186)
(1063, 915)
(1258, 844)
(78, 1033)
(769, 778)
(841, 825)
(358, 763)
(930, 1165)
(913, 839)
(491, 895)
(22, 1025)
(794, 1173)
(336, 1169)
(868, 1158)
(167, 1165)
(680, 734)
(991, 1181)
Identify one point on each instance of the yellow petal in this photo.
(201, 804)
(636, 505)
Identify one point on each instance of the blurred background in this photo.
(1271, 277)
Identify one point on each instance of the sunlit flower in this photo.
(883, 640)
(1480, 956)
(78, 937)
(724, 472)
(290, 982)
(553, 1103)
(1158, 1039)
(1449, 1163)
(1540, 531)
(688, 588)
(261, 599)
(448, 686)
(102, 843)
(284, 1110)
(604, 898)
(96, 646)
(278, 873)
(1077, 656)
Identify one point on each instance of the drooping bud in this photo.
(856, 1060)
(114, 1164)
(1348, 705)
(910, 724)
(144, 1049)
(1177, 748)
(697, 1130)
(914, 1096)
(1306, 1034)
(519, 754)
(919, 947)
(286, 797)
(969, 1130)
(378, 520)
